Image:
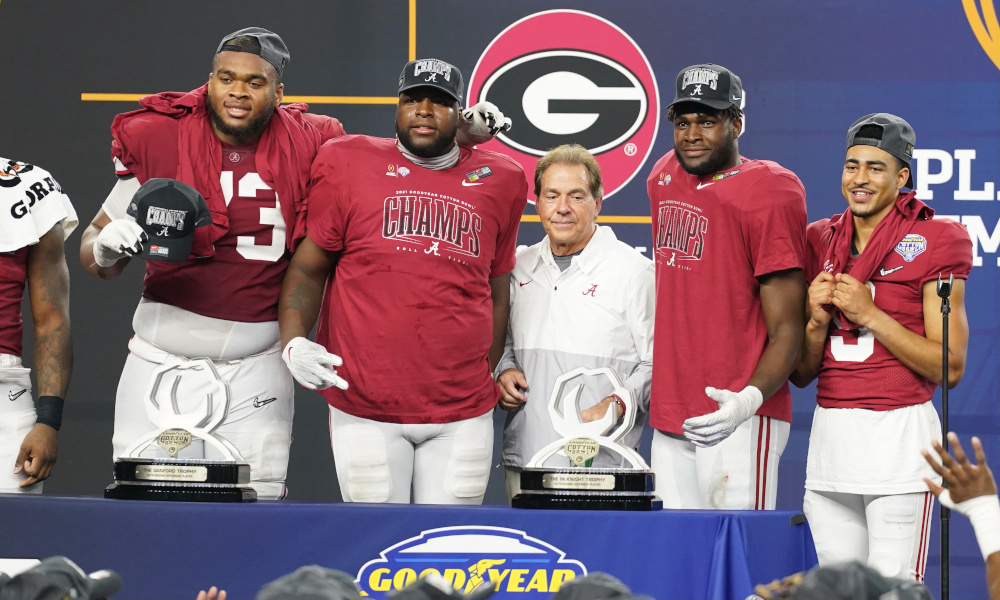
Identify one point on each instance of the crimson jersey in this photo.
(409, 307)
(713, 237)
(241, 282)
(13, 275)
(857, 370)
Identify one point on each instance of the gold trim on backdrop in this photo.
(988, 30)
(413, 29)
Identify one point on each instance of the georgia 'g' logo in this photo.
(518, 565)
(10, 172)
(566, 76)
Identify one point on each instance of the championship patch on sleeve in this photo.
(911, 246)
(478, 174)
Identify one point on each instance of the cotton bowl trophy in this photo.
(575, 484)
(144, 474)
(186, 400)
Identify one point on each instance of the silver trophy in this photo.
(577, 485)
(173, 478)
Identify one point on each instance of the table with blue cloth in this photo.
(170, 550)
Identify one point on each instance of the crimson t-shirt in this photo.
(857, 370)
(408, 306)
(713, 236)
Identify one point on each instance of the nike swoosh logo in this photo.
(257, 403)
(701, 185)
(883, 272)
(467, 183)
(524, 283)
(14, 396)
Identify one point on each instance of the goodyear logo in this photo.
(518, 565)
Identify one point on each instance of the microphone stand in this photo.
(944, 292)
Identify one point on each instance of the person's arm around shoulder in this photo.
(48, 292)
(298, 307)
(972, 492)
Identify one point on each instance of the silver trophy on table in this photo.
(173, 478)
(577, 485)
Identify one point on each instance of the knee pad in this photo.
(369, 478)
(468, 471)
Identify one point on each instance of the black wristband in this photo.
(49, 411)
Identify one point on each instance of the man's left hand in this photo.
(37, 455)
(734, 409)
(854, 299)
(482, 122)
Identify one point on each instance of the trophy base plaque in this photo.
(187, 480)
(587, 489)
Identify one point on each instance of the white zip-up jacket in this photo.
(596, 313)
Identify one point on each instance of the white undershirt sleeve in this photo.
(117, 201)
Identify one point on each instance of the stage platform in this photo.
(168, 551)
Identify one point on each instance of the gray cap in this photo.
(312, 582)
(594, 586)
(887, 132)
(712, 85)
(855, 581)
(272, 48)
(431, 72)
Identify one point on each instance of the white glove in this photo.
(734, 409)
(118, 239)
(984, 513)
(483, 122)
(311, 365)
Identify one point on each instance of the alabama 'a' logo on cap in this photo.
(564, 77)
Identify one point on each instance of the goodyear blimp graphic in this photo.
(518, 565)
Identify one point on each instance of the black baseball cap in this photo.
(712, 85)
(434, 73)
(58, 577)
(272, 48)
(887, 132)
(168, 211)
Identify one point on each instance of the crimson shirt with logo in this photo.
(713, 236)
(408, 306)
(857, 370)
(242, 280)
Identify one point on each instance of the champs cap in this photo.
(57, 578)
(312, 582)
(433, 73)
(712, 85)
(887, 132)
(272, 48)
(168, 211)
